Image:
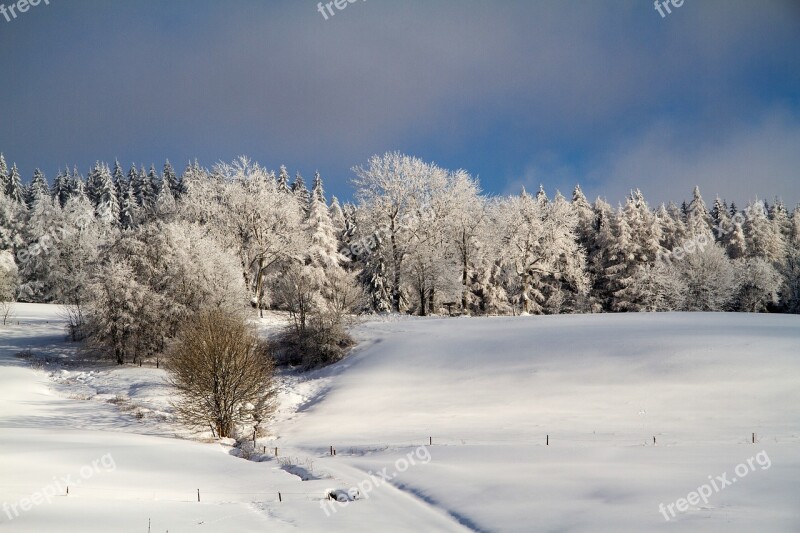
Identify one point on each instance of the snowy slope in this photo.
(489, 391)
(119, 480)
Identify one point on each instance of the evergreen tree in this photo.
(337, 217)
(3, 173)
(168, 175)
(283, 180)
(720, 219)
(61, 188)
(94, 182)
(763, 238)
(375, 279)
(165, 201)
(622, 264)
(300, 192)
(107, 205)
(38, 188)
(128, 208)
(317, 191)
(698, 220)
(152, 185)
(323, 251)
(77, 185)
(780, 218)
(118, 177)
(14, 188)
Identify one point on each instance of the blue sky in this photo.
(606, 94)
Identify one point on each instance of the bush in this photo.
(223, 374)
(321, 309)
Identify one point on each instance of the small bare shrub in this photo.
(222, 373)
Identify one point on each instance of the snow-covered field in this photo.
(490, 392)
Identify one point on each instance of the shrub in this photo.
(223, 374)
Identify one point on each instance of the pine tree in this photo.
(14, 189)
(698, 220)
(323, 251)
(763, 238)
(622, 264)
(337, 217)
(107, 205)
(193, 175)
(38, 188)
(128, 208)
(168, 175)
(375, 279)
(283, 180)
(720, 220)
(152, 185)
(77, 185)
(61, 188)
(94, 183)
(3, 174)
(165, 201)
(780, 218)
(790, 291)
(118, 177)
(317, 191)
(300, 192)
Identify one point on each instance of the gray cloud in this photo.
(276, 81)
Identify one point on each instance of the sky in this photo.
(610, 95)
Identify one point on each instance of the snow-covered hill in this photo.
(490, 392)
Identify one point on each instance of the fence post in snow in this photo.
(547, 440)
(198, 495)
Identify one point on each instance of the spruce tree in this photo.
(38, 187)
(165, 201)
(107, 206)
(168, 175)
(128, 208)
(3, 173)
(152, 186)
(300, 192)
(61, 188)
(283, 180)
(118, 177)
(337, 216)
(698, 220)
(14, 189)
(77, 185)
(317, 191)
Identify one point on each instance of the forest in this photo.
(134, 254)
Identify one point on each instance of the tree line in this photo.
(135, 254)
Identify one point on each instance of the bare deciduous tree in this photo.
(222, 373)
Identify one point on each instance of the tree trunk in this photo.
(464, 261)
(396, 261)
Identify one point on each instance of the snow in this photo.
(489, 391)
